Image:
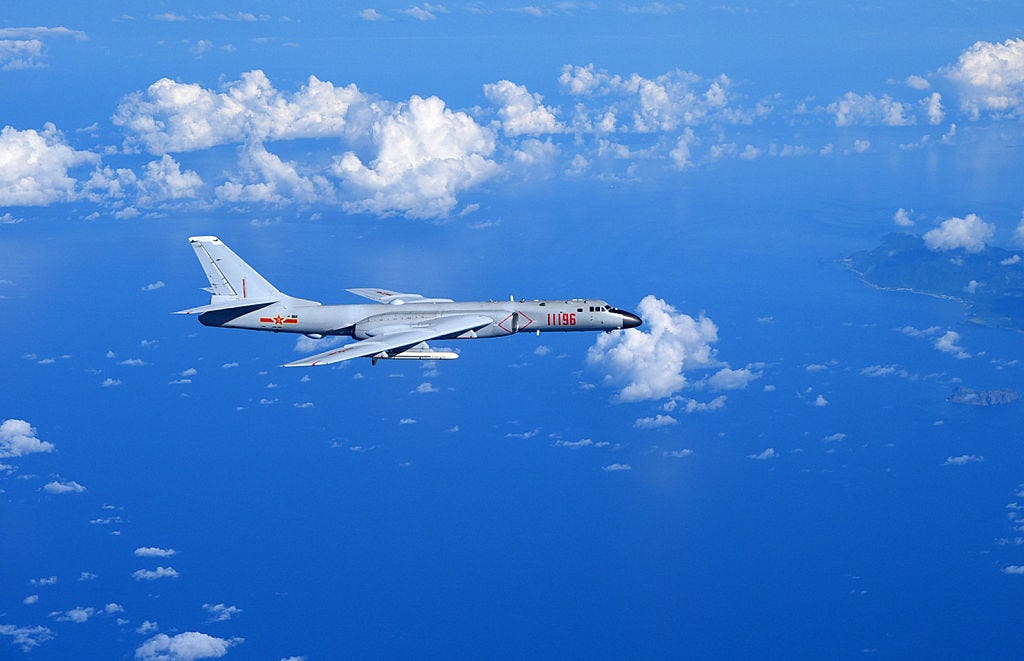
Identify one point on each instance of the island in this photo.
(983, 397)
(990, 283)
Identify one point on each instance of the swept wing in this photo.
(394, 297)
(398, 339)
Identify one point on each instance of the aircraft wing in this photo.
(398, 339)
(394, 297)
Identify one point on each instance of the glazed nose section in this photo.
(630, 320)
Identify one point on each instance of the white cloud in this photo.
(616, 468)
(25, 48)
(265, 178)
(681, 154)
(652, 363)
(655, 422)
(77, 615)
(175, 117)
(31, 599)
(163, 180)
(769, 453)
(834, 438)
(426, 153)
(154, 574)
(855, 109)
(110, 382)
(990, 77)
(18, 438)
(918, 83)
(147, 627)
(678, 454)
(185, 646)
(34, 167)
(573, 445)
(112, 608)
(27, 638)
(159, 284)
(970, 233)
(153, 552)
(1014, 569)
(221, 612)
(730, 379)
(57, 487)
(665, 103)
(902, 218)
(963, 460)
(949, 342)
(1018, 234)
(820, 402)
(425, 387)
(933, 108)
(521, 111)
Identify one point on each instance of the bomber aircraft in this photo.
(394, 326)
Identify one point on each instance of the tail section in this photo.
(231, 279)
(236, 288)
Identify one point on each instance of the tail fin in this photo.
(231, 279)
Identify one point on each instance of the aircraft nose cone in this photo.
(630, 320)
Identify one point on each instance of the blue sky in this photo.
(768, 467)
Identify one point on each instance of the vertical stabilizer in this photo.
(230, 277)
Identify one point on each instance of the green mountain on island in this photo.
(989, 282)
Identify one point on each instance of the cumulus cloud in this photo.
(18, 438)
(902, 218)
(933, 108)
(665, 103)
(730, 379)
(77, 615)
(411, 158)
(521, 111)
(651, 364)
(34, 167)
(154, 574)
(970, 233)
(426, 154)
(178, 117)
(153, 552)
(27, 638)
(949, 342)
(25, 48)
(57, 487)
(616, 468)
(265, 178)
(221, 612)
(990, 77)
(185, 646)
(1010, 569)
(963, 460)
(655, 422)
(768, 453)
(856, 109)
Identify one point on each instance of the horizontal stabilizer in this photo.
(243, 306)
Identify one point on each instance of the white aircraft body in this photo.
(393, 326)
